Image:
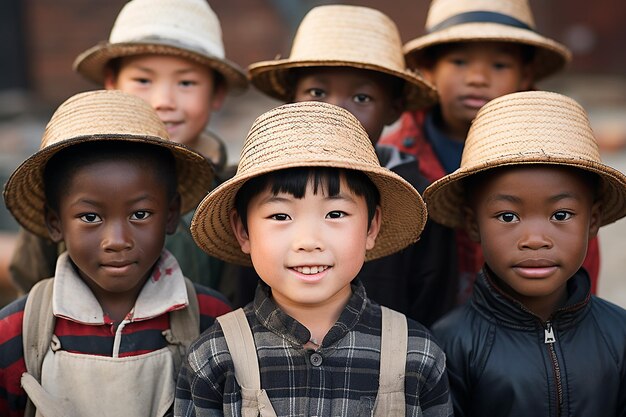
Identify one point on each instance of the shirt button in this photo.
(316, 359)
(408, 142)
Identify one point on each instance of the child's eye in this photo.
(458, 61)
(316, 92)
(507, 217)
(90, 218)
(188, 83)
(280, 217)
(362, 98)
(140, 215)
(501, 65)
(142, 81)
(561, 216)
(336, 214)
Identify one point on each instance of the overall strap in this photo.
(184, 327)
(390, 400)
(37, 330)
(240, 342)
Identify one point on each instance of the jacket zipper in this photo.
(549, 340)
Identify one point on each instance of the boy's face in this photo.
(468, 75)
(113, 217)
(534, 224)
(182, 92)
(368, 95)
(308, 250)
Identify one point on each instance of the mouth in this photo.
(117, 268)
(535, 268)
(311, 273)
(474, 102)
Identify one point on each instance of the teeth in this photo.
(310, 270)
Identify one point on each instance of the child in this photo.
(307, 206)
(474, 51)
(170, 53)
(532, 190)
(352, 57)
(110, 185)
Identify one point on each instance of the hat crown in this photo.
(349, 33)
(103, 113)
(191, 24)
(533, 126)
(306, 134)
(442, 10)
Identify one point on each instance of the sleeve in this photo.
(426, 384)
(212, 304)
(12, 365)
(34, 259)
(201, 388)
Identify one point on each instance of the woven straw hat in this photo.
(452, 21)
(521, 129)
(309, 134)
(98, 116)
(185, 28)
(346, 36)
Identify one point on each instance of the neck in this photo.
(454, 129)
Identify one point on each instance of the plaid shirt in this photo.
(339, 379)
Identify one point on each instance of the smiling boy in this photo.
(309, 204)
(351, 56)
(533, 192)
(109, 184)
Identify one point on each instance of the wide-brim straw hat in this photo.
(100, 116)
(184, 28)
(309, 134)
(527, 128)
(343, 36)
(451, 21)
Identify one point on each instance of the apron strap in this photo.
(390, 400)
(37, 329)
(184, 327)
(240, 342)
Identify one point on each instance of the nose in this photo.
(477, 74)
(163, 97)
(534, 237)
(307, 237)
(116, 237)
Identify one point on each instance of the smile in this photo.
(311, 270)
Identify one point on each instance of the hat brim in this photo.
(445, 197)
(272, 78)
(24, 191)
(91, 63)
(403, 212)
(550, 57)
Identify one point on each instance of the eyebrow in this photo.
(98, 203)
(151, 71)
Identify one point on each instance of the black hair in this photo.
(395, 85)
(475, 182)
(60, 169)
(294, 181)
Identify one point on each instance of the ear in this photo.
(219, 94)
(595, 219)
(110, 79)
(428, 73)
(471, 225)
(53, 224)
(173, 215)
(241, 234)
(374, 228)
(528, 76)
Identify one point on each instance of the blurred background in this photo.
(39, 40)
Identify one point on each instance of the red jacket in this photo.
(409, 138)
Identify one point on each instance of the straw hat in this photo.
(346, 36)
(309, 134)
(99, 116)
(452, 21)
(185, 28)
(535, 127)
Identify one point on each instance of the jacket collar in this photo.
(489, 300)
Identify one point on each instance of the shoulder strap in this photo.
(390, 400)
(184, 327)
(242, 349)
(37, 330)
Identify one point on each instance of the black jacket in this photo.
(499, 363)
